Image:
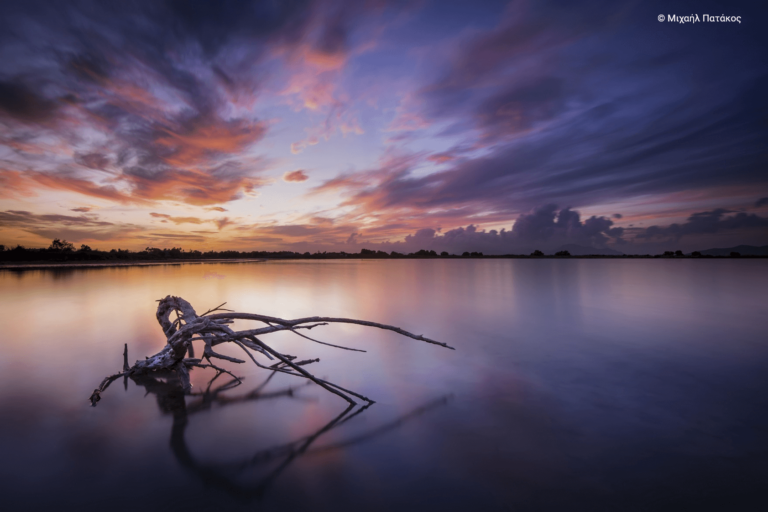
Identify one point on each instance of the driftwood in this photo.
(212, 329)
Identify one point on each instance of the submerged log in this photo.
(212, 329)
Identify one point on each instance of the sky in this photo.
(306, 125)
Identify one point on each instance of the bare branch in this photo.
(212, 329)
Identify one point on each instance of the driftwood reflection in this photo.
(228, 477)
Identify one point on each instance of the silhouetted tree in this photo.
(735, 254)
(562, 253)
(668, 253)
(61, 245)
(696, 254)
(444, 254)
(84, 248)
(465, 254)
(2, 248)
(678, 253)
(537, 253)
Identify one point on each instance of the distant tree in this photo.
(84, 248)
(668, 253)
(537, 253)
(444, 254)
(678, 253)
(2, 248)
(562, 253)
(61, 245)
(696, 254)
(735, 254)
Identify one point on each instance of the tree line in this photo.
(62, 251)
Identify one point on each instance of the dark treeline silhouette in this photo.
(61, 251)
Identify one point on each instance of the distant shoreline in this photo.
(112, 264)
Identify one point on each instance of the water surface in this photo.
(576, 385)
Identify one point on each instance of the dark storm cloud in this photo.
(549, 229)
(20, 101)
(714, 221)
(214, 24)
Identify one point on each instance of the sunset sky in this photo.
(317, 125)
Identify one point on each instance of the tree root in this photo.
(212, 328)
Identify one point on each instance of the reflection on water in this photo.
(171, 399)
(578, 385)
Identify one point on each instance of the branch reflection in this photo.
(171, 399)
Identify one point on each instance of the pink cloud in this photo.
(295, 176)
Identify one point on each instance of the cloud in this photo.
(22, 103)
(81, 209)
(72, 182)
(92, 160)
(227, 182)
(73, 228)
(521, 106)
(592, 157)
(215, 209)
(709, 222)
(761, 202)
(296, 230)
(338, 119)
(178, 220)
(259, 239)
(14, 184)
(172, 237)
(547, 228)
(223, 222)
(295, 176)
(144, 99)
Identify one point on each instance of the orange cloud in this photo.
(201, 188)
(205, 139)
(178, 220)
(71, 183)
(295, 176)
(441, 158)
(14, 183)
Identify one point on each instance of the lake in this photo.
(575, 385)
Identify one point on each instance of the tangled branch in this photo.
(212, 328)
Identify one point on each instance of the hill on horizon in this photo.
(744, 250)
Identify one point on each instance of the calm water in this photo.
(576, 385)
